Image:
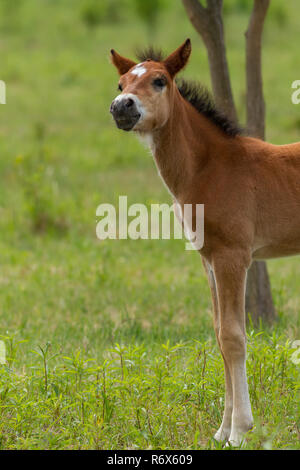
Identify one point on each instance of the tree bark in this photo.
(208, 22)
(259, 302)
(255, 97)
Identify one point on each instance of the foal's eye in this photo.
(159, 83)
(120, 87)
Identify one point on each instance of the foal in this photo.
(250, 189)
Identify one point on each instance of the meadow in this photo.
(110, 344)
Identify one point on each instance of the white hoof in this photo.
(237, 438)
(236, 441)
(222, 434)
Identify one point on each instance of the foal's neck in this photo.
(183, 146)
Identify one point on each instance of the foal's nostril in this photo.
(125, 112)
(112, 106)
(129, 102)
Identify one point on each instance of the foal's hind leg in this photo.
(230, 270)
(223, 432)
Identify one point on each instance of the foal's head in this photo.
(146, 90)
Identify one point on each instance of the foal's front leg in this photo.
(230, 273)
(223, 432)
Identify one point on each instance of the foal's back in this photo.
(275, 172)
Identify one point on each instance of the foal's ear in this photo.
(178, 59)
(122, 64)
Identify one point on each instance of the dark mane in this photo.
(196, 94)
(151, 53)
(201, 99)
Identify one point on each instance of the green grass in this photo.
(144, 397)
(110, 344)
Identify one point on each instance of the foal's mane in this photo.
(196, 94)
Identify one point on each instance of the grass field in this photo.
(110, 344)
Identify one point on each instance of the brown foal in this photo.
(250, 189)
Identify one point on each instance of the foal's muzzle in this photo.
(125, 113)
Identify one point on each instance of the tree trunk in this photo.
(208, 22)
(255, 97)
(259, 302)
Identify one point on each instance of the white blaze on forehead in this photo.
(139, 69)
